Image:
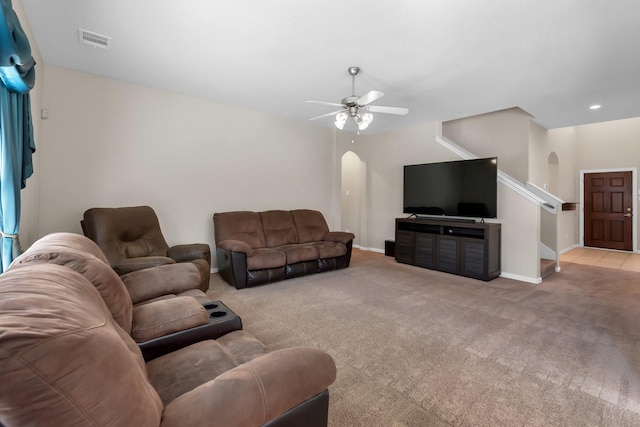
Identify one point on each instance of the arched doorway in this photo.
(352, 191)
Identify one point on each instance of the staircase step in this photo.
(547, 267)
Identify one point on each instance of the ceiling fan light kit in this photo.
(357, 107)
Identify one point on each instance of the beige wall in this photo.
(520, 235)
(599, 146)
(563, 143)
(538, 153)
(29, 195)
(610, 145)
(504, 134)
(615, 144)
(109, 143)
(383, 157)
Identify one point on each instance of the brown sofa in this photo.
(131, 239)
(65, 360)
(261, 247)
(161, 308)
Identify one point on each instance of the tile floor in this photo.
(603, 258)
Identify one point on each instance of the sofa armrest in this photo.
(235, 246)
(134, 264)
(151, 283)
(183, 253)
(164, 317)
(339, 237)
(255, 392)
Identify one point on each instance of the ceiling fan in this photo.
(357, 107)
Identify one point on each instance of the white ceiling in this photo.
(442, 59)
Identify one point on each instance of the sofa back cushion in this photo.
(128, 232)
(96, 271)
(245, 226)
(279, 228)
(310, 224)
(71, 241)
(63, 359)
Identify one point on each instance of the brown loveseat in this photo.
(64, 360)
(262, 247)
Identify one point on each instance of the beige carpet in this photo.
(416, 347)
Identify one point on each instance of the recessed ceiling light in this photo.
(595, 107)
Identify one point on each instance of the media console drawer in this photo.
(466, 249)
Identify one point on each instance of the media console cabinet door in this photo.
(405, 246)
(448, 254)
(424, 255)
(474, 261)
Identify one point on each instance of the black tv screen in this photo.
(464, 188)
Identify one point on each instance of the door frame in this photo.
(634, 198)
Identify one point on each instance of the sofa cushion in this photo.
(310, 225)
(163, 280)
(183, 370)
(70, 364)
(298, 253)
(201, 297)
(240, 225)
(71, 241)
(164, 317)
(127, 265)
(127, 232)
(96, 271)
(279, 228)
(270, 385)
(329, 249)
(266, 258)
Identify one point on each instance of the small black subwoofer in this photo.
(390, 248)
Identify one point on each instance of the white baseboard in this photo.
(362, 248)
(567, 249)
(534, 280)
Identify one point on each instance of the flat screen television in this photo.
(464, 188)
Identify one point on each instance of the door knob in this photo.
(627, 215)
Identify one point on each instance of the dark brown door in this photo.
(608, 219)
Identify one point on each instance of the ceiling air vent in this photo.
(94, 39)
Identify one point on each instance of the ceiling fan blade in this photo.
(333, 113)
(326, 103)
(388, 110)
(369, 97)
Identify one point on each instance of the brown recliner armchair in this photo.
(65, 361)
(131, 239)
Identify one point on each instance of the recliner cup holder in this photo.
(210, 305)
(218, 313)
